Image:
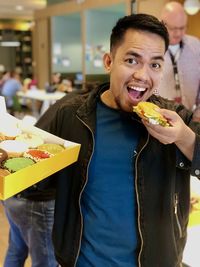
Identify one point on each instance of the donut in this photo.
(3, 173)
(14, 148)
(37, 154)
(51, 148)
(32, 140)
(3, 155)
(16, 164)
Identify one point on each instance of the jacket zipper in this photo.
(138, 202)
(136, 189)
(176, 202)
(81, 233)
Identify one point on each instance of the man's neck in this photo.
(108, 99)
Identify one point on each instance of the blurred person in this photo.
(2, 68)
(12, 84)
(65, 86)
(26, 84)
(4, 77)
(30, 214)
(2, 71)
(126, 201)
(54, 83)
(181, 73)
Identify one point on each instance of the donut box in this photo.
(25, 165)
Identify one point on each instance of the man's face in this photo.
(176, 27)
(135, 68)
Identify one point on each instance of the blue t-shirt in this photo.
(9, 90)
(108, 201)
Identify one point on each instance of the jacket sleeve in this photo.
(195, 169)
(187, 116)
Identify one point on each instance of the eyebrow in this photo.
(139, 56)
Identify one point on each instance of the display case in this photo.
(21, 41)
(24, 53)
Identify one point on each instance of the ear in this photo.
(107, 60)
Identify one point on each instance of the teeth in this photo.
(139, 89)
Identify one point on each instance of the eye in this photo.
(156, 66)
(131, 61)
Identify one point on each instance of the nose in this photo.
(141, 73)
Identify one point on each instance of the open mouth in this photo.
(136, 92)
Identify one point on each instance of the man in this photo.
(181, 73)
(125, 202)
(10, 87)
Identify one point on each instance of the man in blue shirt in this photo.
(10, 87)
(125, 202)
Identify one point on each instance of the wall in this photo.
(193, 23)
(97, 44)
(66, 36)
(42, 43)
(69, 7)
(148, 6)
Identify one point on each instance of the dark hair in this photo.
(141, 22)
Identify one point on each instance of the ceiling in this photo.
(8, 8)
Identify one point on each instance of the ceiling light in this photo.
(10, 43)
(19, 8)
(191, 6)
(80, 1)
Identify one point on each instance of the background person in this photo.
(125, 202)
(54, 83)
(181, 73)
(30, 214)
(12, 84)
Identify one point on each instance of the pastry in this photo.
(37, 154)
(2, 137)
(52, 148)
(16, 164)
(14, 148)
(32, 140)
(9, 131)
(3, 173)
(3, 155)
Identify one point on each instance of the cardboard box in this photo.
(24, 178)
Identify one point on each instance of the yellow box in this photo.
(22, 179)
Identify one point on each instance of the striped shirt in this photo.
(188, 71)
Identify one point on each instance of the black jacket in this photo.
(162, 179)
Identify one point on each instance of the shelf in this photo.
(23, 52)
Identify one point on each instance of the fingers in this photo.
(162, 134)
(170, 115)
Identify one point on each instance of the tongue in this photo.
(135, 94)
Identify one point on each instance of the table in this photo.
(35, 95)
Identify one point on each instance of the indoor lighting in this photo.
(19, 8)
(191, 6)
(80, 1)
(10, 43)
